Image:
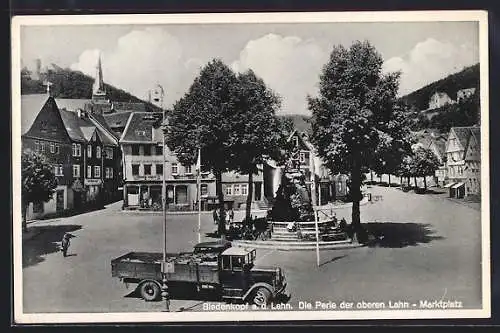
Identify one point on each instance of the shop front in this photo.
(181, 195)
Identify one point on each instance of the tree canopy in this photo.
(38, 180)
(204, 118)
(355, 117)
(259, 133)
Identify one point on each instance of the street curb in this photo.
(295, 247)
(159, 213)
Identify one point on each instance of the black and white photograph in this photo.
(259, 166)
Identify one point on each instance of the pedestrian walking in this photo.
(65, 243)
(216, 215)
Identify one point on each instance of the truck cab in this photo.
(240, 279)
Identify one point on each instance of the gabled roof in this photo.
(48, 123)
(73, 125)
(462, 134)
(117, 119)
(88, 132)
(30, 107)
(101, 123)
(142, 127)
(476, 133)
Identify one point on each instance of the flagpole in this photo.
(199, 195)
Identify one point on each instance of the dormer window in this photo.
(140, 133)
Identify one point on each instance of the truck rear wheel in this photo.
(261, 296)
(150, 291)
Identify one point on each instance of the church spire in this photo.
(98, 91)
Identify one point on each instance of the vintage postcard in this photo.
(250, 167)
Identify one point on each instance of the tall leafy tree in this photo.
(257, 132)
(38, 181)
(425, 164)
(204, 118)
(355, 114)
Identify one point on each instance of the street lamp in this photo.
(164, 293)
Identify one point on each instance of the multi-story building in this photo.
(143, 167)
(72, 142)
(439, 99)
(323, 186)
(235, 188)
(463, 150)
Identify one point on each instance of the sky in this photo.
(289, 57)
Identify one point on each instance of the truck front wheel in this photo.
(261, 296)
(150, 291)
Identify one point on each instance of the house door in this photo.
(59, 200)
(181, 195)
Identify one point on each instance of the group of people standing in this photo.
(229, 216)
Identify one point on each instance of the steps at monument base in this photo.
(296, 246)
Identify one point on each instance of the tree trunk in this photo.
(401, 181)
(415, 180)
(371, 175)
(248, 210)
(425, 184)
(221, 226)
(408, 180)
(389, 180)
(355, 197)
(24, 224)
(380, 178)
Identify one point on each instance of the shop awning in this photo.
(457, 185)
(449, 185)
